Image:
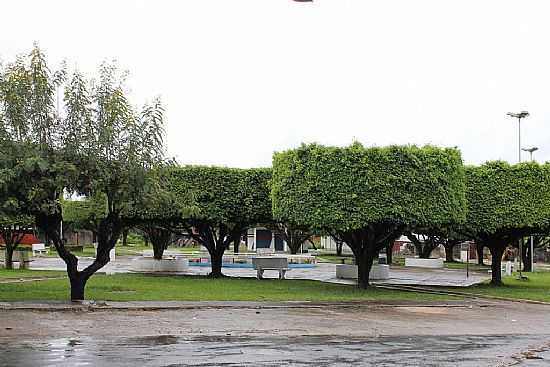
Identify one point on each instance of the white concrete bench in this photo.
(377, 272)
(424, 263)
(150, 265)
(39, 249)
(260, 264)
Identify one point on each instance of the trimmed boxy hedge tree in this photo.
(506, 202)
(367, 195)
(227, 201)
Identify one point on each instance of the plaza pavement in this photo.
(325, 272)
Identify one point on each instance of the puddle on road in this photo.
(169, 350)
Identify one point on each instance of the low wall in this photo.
(377, 272)
(150, 265)
(424, 263)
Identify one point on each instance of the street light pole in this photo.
(532, 257)
(519, 116)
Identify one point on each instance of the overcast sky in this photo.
(242, 78)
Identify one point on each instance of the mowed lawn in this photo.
(138, 287)
(10, 275)
(536, 288)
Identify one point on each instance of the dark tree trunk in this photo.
(339, 245)
(526, 257)
(496, 259)
(158, 251)
(108, 233)
(479, 251)
(236, 245)
(449, 253)
(216, 260)
(125, 236)
(389, 254)
(9, 256)
(160, 239)
(78, 284)
(293, 248)
(364, 266)
(366, 243)
(426, 251)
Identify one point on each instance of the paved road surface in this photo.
(469, 333)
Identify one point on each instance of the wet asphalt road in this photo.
(167, 350)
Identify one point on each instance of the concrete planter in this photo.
(377, 272)
(424, 263)
(150, 265)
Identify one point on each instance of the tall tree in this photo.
(227, 200)
(367, 196)
(505, 203)
(99, 146)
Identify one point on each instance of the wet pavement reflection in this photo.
(168, 350)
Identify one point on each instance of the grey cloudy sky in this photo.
(242, 78)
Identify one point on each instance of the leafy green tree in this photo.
(505, 203)
(368, 196)
(117, 148)
(227, 200)
(33, 172)
(100, 146)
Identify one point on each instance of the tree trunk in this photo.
(339, 245)
(389, 254)
(78, 284)
(125, 237)
(479, 251)
(158, 251)
(449, 253)
(236, 245)
(9, 256)
(426, 251)
(364, 266)
(496, 260)
(216, 258)
(526, 257)
(293, 248)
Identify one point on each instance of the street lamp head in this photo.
(530, 150)
(518, 115)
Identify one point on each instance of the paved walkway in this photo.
(324, 272)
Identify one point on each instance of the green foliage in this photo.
(349, 188)
(504, 197)
(85, 214)
(231, 196)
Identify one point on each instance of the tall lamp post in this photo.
(532, 253)
(519, 116)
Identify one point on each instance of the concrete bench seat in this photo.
(39, 249)
(424, 263)
(377, 272)
(260, 264)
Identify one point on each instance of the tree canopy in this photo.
(503, 197)
(347, 188)
(227, 201)
(368, 196)
(506, 202)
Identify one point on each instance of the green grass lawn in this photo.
(137, 287)
(24, 273)
(537, 288)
